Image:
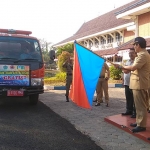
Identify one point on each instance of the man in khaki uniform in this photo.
(69, 69)
(102, 85)
(149, 98)
(139, 83)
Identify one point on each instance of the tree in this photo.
(45, 46)
(62, 58)
(68, 48)
(46, 57)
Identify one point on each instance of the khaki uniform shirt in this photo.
(140, 77)
(104, 70)
(69, 67)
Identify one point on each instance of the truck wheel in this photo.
(34, 99)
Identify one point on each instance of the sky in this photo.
(52, 20)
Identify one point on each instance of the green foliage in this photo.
(115, 73)
(50, 73)
(57, 79)
(46, 57)
(52, 80)
(68, 47)
(61, 76)
(61, 59)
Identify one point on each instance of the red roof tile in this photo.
(106, 52)
(99, 24)
(128, 44)
(134, 4)
(124, 46)
(105, 21)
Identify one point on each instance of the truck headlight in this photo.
(37, 81)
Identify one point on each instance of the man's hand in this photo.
(106, 78)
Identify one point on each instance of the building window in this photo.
(96, 43)
(118, 37)
(103, 41)
(85, 44)
(109, 39)
(90, 44)
(118, 58)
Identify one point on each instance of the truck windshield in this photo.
(20, 48)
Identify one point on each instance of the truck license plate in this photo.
(14, 93)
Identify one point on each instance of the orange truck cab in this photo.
(21, 65)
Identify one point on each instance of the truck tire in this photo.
(34, 99)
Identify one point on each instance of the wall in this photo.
(128, 35)
(144, 24)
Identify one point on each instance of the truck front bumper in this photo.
(27, 91)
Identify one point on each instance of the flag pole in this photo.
(114, 64)
(110, 61)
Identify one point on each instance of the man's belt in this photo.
(69, 74)
(102, 77)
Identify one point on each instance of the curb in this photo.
(48, 87)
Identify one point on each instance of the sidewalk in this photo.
(91, 121)
(48, 87)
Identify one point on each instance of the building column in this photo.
(136, 27)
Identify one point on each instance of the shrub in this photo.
(61, 59)
(60, 78)
(50, 73)
(53, 81)
(115, 73)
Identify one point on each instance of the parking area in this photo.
(91, 121)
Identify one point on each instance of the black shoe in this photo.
(95, 100)
(107, 105)
(133, 124)
(126, 113)
(67, 99)
(97, 104)
(133, 116)
(138, 129)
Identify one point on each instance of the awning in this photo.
(106, 52)
(128, 44)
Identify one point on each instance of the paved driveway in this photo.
(91, 121)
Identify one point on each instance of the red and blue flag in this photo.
(86, 72)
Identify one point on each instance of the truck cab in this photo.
(21, 65)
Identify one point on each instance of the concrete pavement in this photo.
(91, 121)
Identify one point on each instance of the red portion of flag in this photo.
(77, 92)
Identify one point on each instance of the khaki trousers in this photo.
(149, 98)
(102, 85)
(141, 99)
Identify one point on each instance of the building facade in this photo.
(110, 34)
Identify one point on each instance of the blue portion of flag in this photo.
(91, 66)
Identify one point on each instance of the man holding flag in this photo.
(139, 83)
(69, 68)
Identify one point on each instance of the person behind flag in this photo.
(102, 85)
(96, 98)
(69, 69)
